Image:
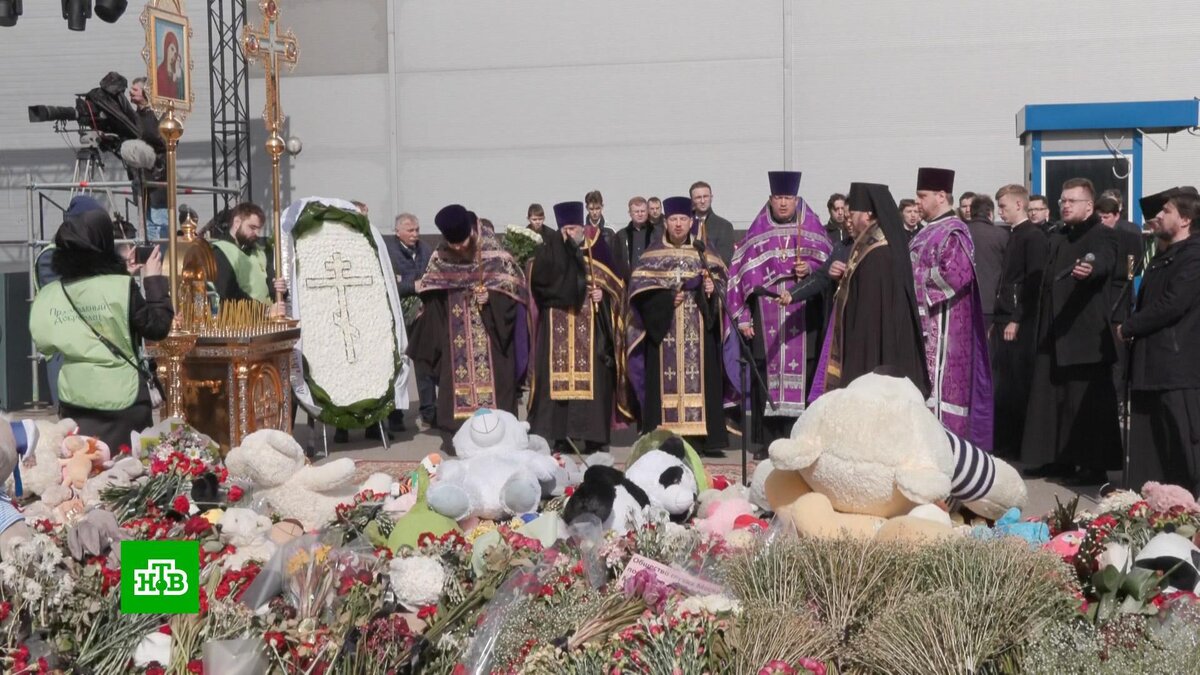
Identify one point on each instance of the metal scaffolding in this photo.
(229, 86)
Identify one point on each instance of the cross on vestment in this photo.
(339, 280)
(271, 48)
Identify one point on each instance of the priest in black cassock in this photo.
(874, 322)
(1015, 318)
(1071, 426)
(1165, 372)
(676, 334)
(578, 297)
(472, 332)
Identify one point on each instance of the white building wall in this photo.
(412, 104)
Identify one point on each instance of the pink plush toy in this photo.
(1066, 544)
(1162, 498)
(722, 516)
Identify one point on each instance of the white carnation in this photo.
(351, 358)
(417, 581)
(32, 591)
(713, 604)
(1118, 500)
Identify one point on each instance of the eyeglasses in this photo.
(1064, 202)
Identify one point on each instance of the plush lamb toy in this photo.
(249, 532)
(666, 479)
(608, 496)
(275, 464)
(15, 440)
(496, 474)
(873, 448)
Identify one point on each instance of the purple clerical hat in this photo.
(568, 213)
(677, 206)
(455, 223)
(935, 180)
(784, 182)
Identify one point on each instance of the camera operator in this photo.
(156, 197)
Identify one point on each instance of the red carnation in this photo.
(569, 490)
(155, 670)
(719, 482)
(427, 612)
(165, 629)
(5, 609)
(43, 665)
(196, 666)
(196, 525)
(22, 653)
(236, 493)
(181, 504)
(124, 449)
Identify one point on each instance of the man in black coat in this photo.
(990, 242)
(629, 242)
(1165, 372)
(1071, 419)
(715, 231)
(1014, 324)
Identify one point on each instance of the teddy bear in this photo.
(274, 463)
(15, 439)
(610, 499)
(39, 471)
(900, 458)
(249, 532)
(496, 474)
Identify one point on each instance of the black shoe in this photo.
(712, 453)
(396, 421)
(1087, 477)
(1051, 470)
(341, 436)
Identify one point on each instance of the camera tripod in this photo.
(89, 167)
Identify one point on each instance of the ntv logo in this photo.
(160, 577)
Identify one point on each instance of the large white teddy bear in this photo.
(498, 472)
(275, 465)
(873, 448)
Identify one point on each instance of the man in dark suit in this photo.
(708, 226)
(1129, 265)
(990, 242)
(410, 256)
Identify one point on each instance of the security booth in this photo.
(1102, 142)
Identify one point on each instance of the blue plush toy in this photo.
(1010, 525)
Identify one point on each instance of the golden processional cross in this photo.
(272, 49)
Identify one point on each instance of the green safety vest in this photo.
(91, 376)
(250, 269)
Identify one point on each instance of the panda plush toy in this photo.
(666, 478)
(610, 497)
(1174, 555)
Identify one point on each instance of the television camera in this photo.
(103, 117)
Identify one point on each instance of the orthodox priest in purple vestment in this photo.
(676, 334)
(578, 364)
(785, 244)
(472, 332)
(956, 354)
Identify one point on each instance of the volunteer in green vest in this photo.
(43, 264)
(245, 265)
(95, 316)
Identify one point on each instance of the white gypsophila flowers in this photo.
(417, 581)
(713, 604)
(523, 231)
(1118, 500)
(348, 337)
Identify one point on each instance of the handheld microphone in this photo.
(1089, 259)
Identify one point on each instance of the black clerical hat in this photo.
(568, 213)
(858, 198)
(935, 180)
(455, 223)
(784, 182)
(677, 206)
(1152, 204)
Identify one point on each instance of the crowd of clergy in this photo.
(1063, 345)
